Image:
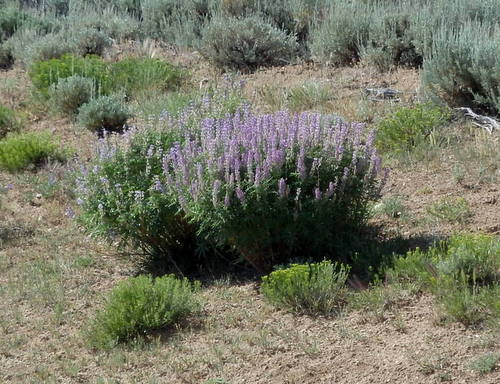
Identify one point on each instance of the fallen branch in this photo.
(484, 122)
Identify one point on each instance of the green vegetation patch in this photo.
(462, 273)
(140, 305)
(317, 288)
(24, 150)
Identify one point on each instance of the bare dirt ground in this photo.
(53, 277)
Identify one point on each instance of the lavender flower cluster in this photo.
(244, 151)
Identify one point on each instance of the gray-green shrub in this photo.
(90, 41)
(463, 67)
(70, 93)
(104, 113)
(247, 43)
(140, 305)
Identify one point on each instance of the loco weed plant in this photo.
(309, 288)
(272, 187)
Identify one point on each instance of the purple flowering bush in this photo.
(122, 198)
(275, 187)
(272, 187)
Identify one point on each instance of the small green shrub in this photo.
(70, 93)
(104, 113)
(145, 75)
(45, 73)
(471, 305)
(20, 151)
(477, 256)
(409, 126)
(6, 58)
(317, 288)
(9, 121)
(450, 209)
(462, 273)
(485, 363)
(247, 43)
(139, 305)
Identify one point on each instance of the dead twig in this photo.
(481, 121)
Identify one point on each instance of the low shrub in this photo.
(11, 18)
(140, 305)
(133, 75)
(70, 93)
(91, 41)
(175, 21)
(477, 256)
(462, 273)
(45, 73)
(104, 113)
(317, 288)
(450, 209)
(23, 150)
(485, 363)
(9, 121)
(310, 96)
(409, 126)
(247, 43)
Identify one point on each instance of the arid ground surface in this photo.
(53, 276)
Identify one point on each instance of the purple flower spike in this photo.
(240, 195)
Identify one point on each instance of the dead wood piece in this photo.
(484, 122)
